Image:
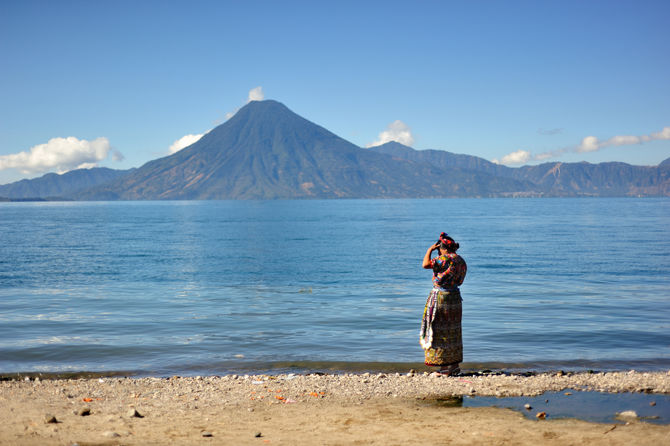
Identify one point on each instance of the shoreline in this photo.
(343, 367)
(382, 408)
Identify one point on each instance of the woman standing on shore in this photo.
(441, 336)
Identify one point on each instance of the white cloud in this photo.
(256, 94)
(396, 131)
(60, 154)
(588, 144)
(185, 141)
(518, 157)
(663, 134)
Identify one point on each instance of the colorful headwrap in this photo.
(448, 242)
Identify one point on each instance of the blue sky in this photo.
(117, 83)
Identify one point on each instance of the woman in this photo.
(441, 325)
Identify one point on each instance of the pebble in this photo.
(541, 415)
(206, 434)
(84, 411)
(653, 403)
(50, 419)
(258, 435)
(134, 413)
(527, 406)
(110, 434)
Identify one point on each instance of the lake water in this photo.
(223, 286)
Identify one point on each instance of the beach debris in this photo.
(527, 406)
(567, 393)
(110, 434)
(133, 413)
(541, 415)
(87, 400)
(50, 419)
(84, 411)
(610, 429)
(627, 415)
(206, 434)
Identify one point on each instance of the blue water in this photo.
(210, 287)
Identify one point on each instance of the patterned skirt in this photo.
(441, 336)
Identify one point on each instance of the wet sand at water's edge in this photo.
(290, 409)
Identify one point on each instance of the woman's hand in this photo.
(426, 259)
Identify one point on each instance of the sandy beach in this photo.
(291, 409)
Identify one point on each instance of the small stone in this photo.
(568, 393)
(110, 434)
(50, 419)
(133, 413)
(206, 434)
(251, 409)
(84, 412)
(258, 435)
(541, 415)
(653, 403)
(527, 406)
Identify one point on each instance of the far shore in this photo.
(295, 409)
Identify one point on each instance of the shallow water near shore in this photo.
(597, 407)
(200, 288)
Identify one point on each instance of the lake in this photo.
(213, 287)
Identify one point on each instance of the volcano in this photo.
(266, 151)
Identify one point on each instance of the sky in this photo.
(117, 84)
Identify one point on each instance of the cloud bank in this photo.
(60, 154)
(588, 144)
(396, 131)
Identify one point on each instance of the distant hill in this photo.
(443, 159)
(266, 151)
(554, 179)
(65, 185)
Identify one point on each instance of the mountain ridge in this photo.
(266, 151)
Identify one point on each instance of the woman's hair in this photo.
(448, 243)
